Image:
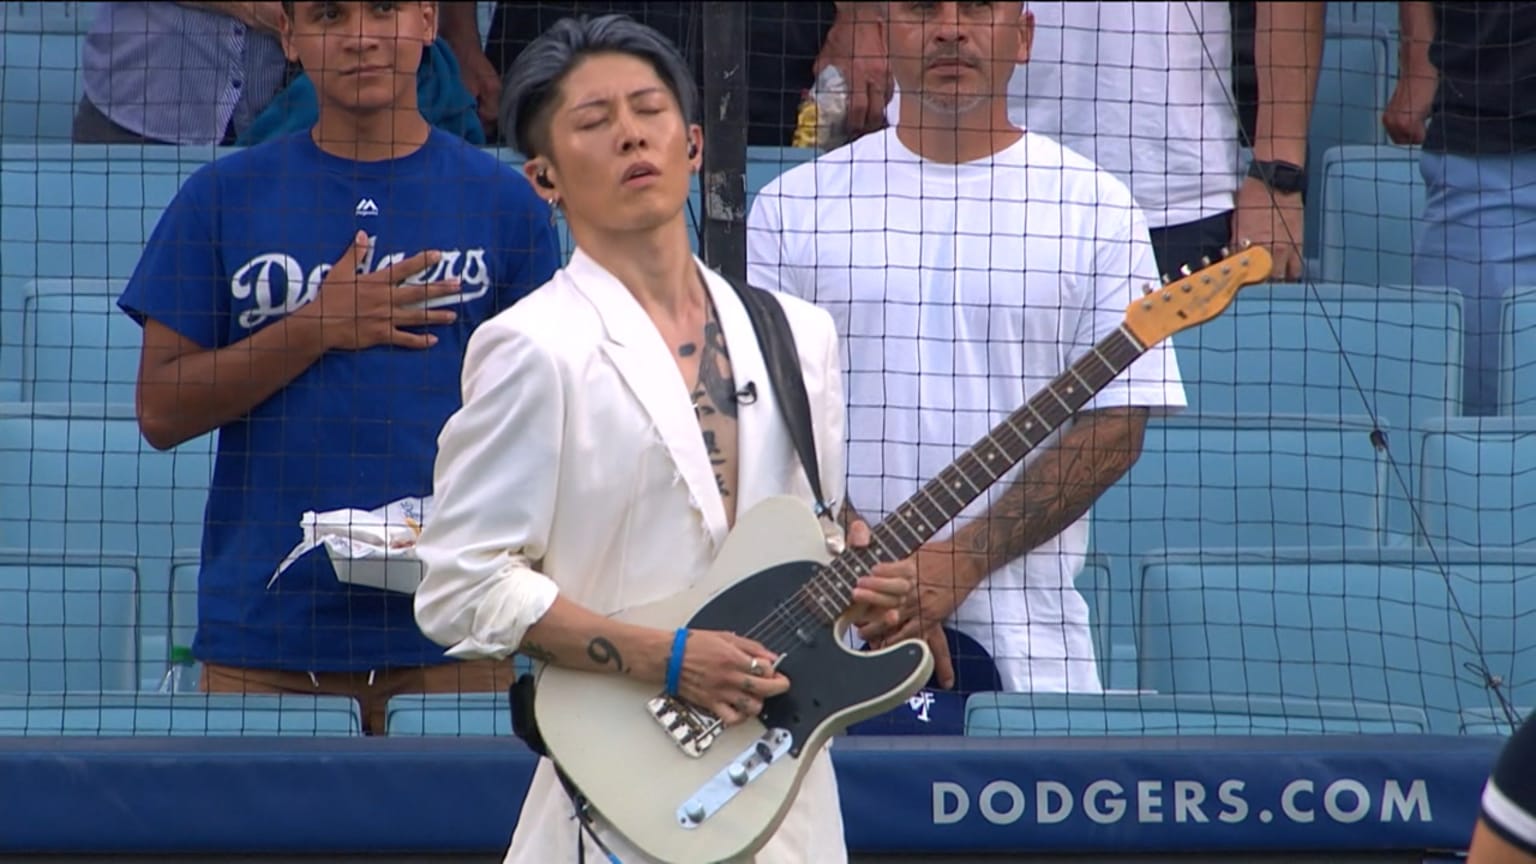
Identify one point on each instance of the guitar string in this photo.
(779, 630)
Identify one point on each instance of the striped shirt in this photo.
(1509, 799)
(177, 74)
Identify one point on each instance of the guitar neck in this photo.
(926, 512)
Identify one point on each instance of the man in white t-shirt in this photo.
(967, 264)
(1145, 90)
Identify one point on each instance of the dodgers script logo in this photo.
(275, 283)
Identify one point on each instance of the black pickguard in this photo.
(825, 678)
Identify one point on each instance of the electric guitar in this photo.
(687, 790)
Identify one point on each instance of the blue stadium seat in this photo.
(1047, 714)
(39, 68)
(74, 216)
(127, 156)
(1517, 352)
(1211, 480)
(1492, 721)
(39, 83)
(68, 622)
(449, 714)
(1372, 197)
(1334, 350)
(1373, 625)
(1477, 481)
(92, 483)
(168, 618)
(1112, 620)
(1346, 16)
(77, 346)
(1208, 480)
(457, 714)
(200, 714)
(66, 17)
(1329, 349)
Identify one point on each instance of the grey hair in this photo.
(533, 83)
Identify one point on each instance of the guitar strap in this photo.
(777, 342)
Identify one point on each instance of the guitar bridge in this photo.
(692, 730)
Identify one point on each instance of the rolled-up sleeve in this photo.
(494, 488)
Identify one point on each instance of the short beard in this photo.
(951, 104)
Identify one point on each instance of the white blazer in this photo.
(577, 465)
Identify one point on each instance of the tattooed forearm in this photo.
(1057, 488)
(535, 651)
(603, 653)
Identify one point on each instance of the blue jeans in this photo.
(1479, 237)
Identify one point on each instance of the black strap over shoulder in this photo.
(777, 342)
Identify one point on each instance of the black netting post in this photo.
(723, 181)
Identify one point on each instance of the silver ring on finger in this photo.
(756, 668)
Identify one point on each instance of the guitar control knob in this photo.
(737, 773)
(695, 813)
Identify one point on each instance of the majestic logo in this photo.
(367, 207)
(275, 283)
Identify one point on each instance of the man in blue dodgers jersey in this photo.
(310, 298)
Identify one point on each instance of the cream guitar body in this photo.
(670, 779)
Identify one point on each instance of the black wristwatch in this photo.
(1283, 177)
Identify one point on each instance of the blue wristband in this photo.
(675, 661)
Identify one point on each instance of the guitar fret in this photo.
(1110, 367)
(826, 604)
(984, 465)
(948, 485)
(830, 582)
(901, 519)
(1036, 412)
(1022, 435)
(927, 495)
(878, 542)
(1064, 403)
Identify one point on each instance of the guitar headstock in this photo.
(1195, 298)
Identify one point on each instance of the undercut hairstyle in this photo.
(532, 88)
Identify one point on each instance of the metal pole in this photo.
(723, 180)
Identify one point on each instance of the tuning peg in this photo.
(1166, 280)
(1184, 270)
(1148, 288)
(1205, 261)
(1225, 251)
(1247, 243)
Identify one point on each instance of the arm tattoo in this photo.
(535, 651)
(602, 652)
(1058, 488)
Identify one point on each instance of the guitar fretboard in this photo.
(916, 520)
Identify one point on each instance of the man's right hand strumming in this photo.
(722, 673)
(727, 675)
